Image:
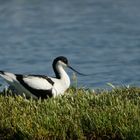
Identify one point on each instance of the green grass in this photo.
(79, 114)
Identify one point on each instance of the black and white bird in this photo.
(41, 86)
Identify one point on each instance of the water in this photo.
(101, 37)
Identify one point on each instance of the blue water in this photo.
(101, 37)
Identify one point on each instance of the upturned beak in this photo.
(76, 71)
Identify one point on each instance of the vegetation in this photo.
(79, 114)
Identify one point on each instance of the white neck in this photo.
(61, 71)
(63, 75)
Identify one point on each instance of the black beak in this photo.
(76, 71)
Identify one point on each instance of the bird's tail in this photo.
(10, 77)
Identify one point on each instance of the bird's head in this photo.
(63, 61)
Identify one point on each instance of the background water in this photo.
(97, 36)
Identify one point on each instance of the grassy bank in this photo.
(79, 114)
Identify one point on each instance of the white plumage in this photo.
(37, 82)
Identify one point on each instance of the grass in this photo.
(79, 114)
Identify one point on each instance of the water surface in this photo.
(101, 37)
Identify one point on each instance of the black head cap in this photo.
(60, 58)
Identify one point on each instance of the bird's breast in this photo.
(60, 86)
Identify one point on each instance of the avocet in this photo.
(41, 86)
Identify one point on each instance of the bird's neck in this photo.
(62, 75)
(60, 72)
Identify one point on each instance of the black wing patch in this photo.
(37, 92)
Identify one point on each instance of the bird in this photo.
(41, 86)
